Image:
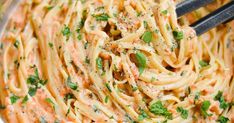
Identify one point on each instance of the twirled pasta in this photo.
(114, 61)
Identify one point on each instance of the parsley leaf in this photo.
(68, 96)
(142, 115)
(164, 12)
(32, 91)
(102, 17)
(222, 119)
(203, 63)
(106, 99)
(14, 98)
(99, 63)
(178, 35)
(108, 87)
(219, 97)
(204, 108)
(147, 37)
(16, 44)
(70, 84)
(66, 31)
(51, 102)
(141, 59)
(157, 108)
(25, 99)
(183, 112)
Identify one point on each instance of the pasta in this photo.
(111, 61)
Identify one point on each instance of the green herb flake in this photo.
(49, 7)
(147, 37)
(50, 102)
(66, 31)
(32, 91)
(108, 87)
(178, 35)
(164, 12)
(203, 63)
(222, 103)
(71, 84)
(79, 37)
(25, 99)
(51, 45)
(141, 59)
(68, 111)
(183, 112)
(68, 96)
(106, 99)
(222, 119)
(14, 98)
(142, 115)
(157, 108)
(134, 88)
(16, 44)
(99, 63)
(101, 17)
(204, 108)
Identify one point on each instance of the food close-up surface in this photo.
(114, 61)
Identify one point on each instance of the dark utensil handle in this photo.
(190, 5)
(219, 16)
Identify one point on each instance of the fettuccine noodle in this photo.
(111, 61)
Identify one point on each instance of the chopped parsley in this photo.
(71, 84)
(222, 119)
(99, 63)
(147, 37)
(222, 103)
(204, 108)
(134, 88)
(178, 35)
(68, 111)
(87, 60)
(14, 98)
(164, 12)
(141, 61)
(79, 37)
(16, 44)
(50, 7)
(51, 45)
(86, 45)
(106, 99)
(32, 91)
(183, 112)
(108, 87)
(66, 31)
(157, 108)
(203, 63)
(25, 99)
(102, 17)
(68, 96)
(142, 115)
(35, 81)
(51, 102)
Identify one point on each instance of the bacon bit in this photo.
(213, 118)
(191, 100)
(232, 117)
